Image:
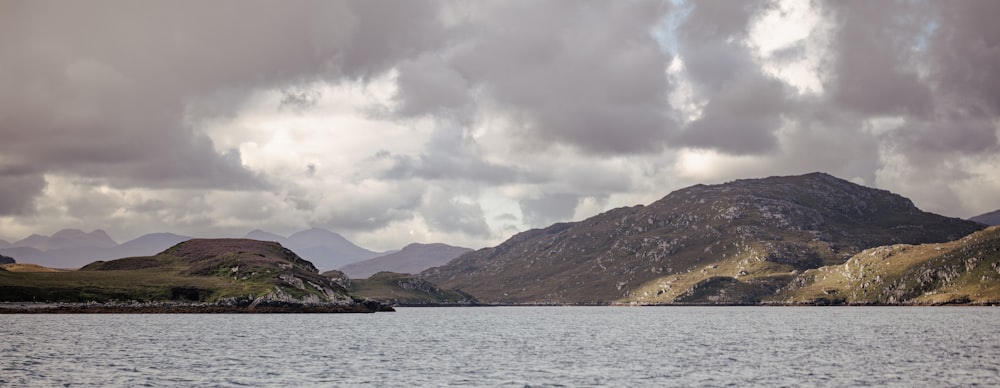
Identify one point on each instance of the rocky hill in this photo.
(961, 271)
(991, 218)
(737, 242)
(7, 260)
(399, 289)
(227, 271)
(411, 259)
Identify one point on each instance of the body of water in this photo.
(512, 346)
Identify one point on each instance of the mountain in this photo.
(736, 242)
(261, 235)
(4, 244)
(991, 218)
(72, 248)
(326, 249)
(146, 245)
(411, 259)
(231, 272)
(68, 239)
(64, 255)
(962, 271)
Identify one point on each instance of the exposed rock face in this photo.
(962, 271)
(287, 278)
(991, 218)
(412, 258)
(736, 242)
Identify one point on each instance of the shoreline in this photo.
(189, 308)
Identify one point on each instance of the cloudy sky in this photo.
(464, 122)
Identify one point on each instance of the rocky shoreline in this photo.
(190, 308)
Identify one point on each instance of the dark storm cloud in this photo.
(113, 92)
(875, 71)
(428, 85)
(18, 191)
(743, 105)
(102, 89)
(586, 74)
(965, 51)
(548, 208)
(929, 63)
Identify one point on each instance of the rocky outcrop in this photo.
(408, 290)
(216, 273)
(7, 260)
(963, 271)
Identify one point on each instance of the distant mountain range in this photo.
(738, 242)
(325, 249)
(992, 218)
(73, 248)
(411, 259)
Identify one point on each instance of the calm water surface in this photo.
(512, 346)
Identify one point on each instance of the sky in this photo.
(465, 122)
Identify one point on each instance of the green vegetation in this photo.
(965, 271)
(733, 243)
(406, 290)
(200, 270)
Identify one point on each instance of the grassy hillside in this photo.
(961, 271)
(200, 270)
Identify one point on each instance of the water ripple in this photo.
(515, 347)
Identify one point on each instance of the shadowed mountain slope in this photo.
(991, 218)
(326, 249)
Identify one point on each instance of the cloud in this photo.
(18, 190)
(471, 121)
(548, 208)
(589, 75)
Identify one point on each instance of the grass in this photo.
(404, 289)
(201, 270)
(961, 271)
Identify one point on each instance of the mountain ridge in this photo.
(762, 230)
(990, 218)
(72, 248)
(412, 259)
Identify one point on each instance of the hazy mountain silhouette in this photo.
(72, 248)
(411, 259)
(325, 249)
(992, 218)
